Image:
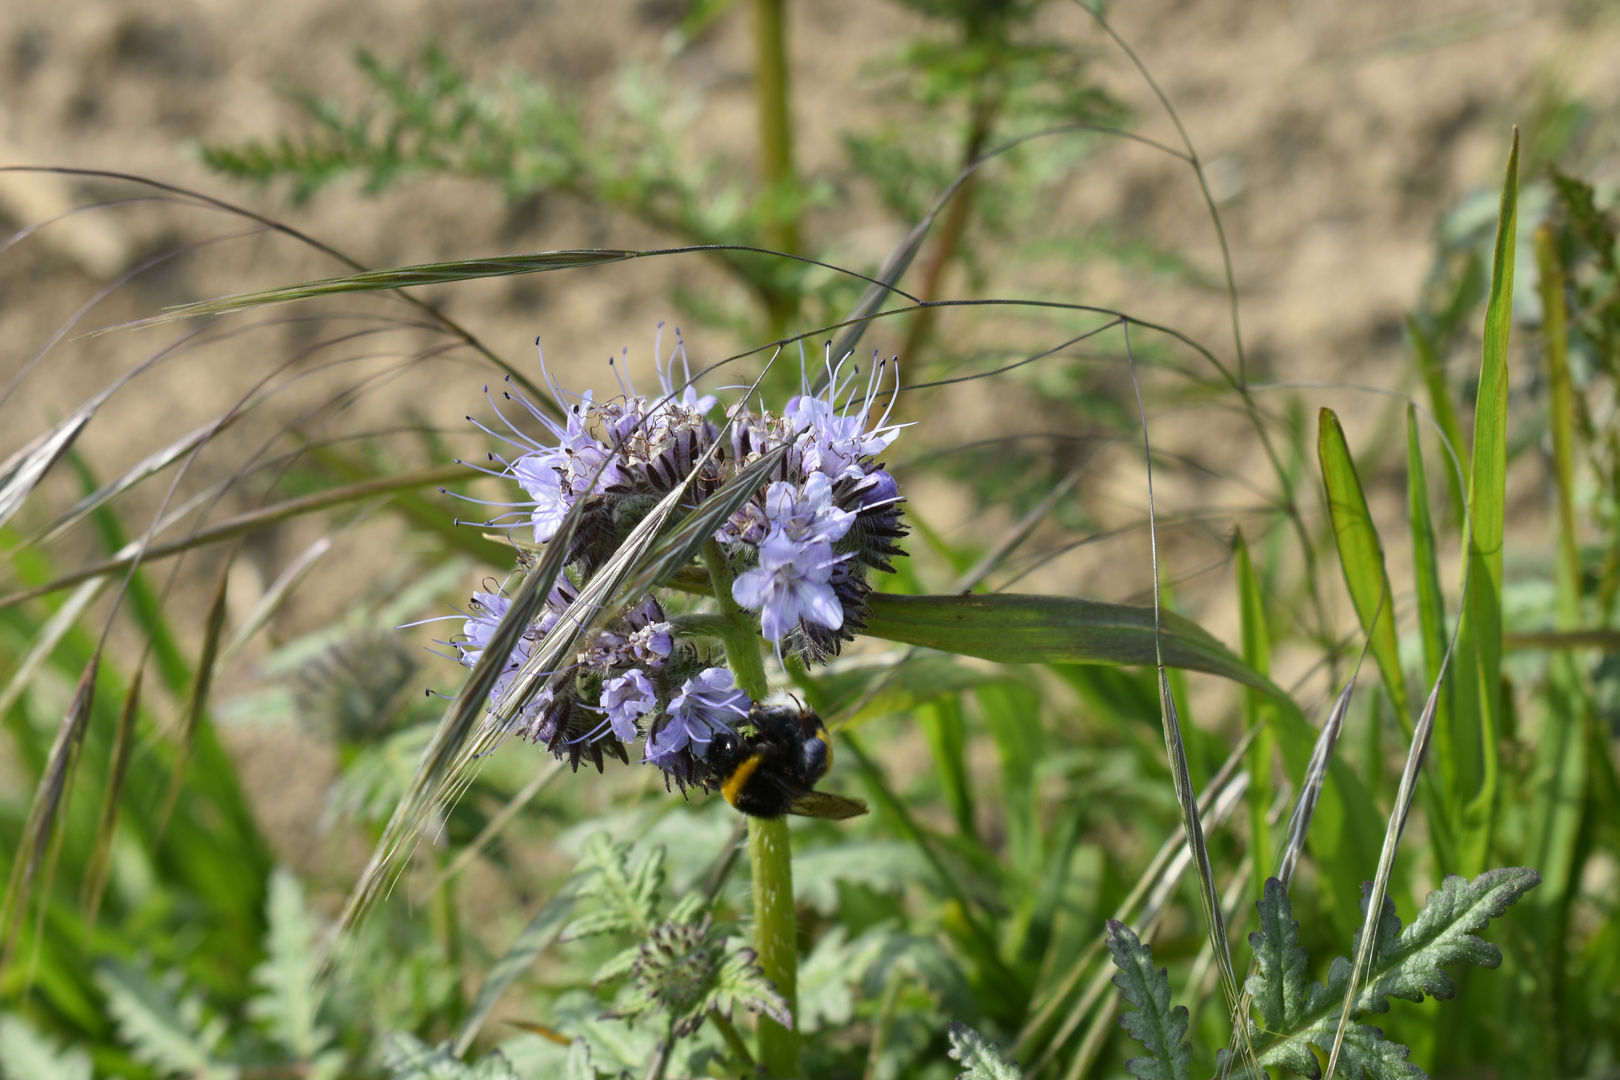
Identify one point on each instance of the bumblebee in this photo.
(774, 771)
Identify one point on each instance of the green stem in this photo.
(734, 1039)
(775, 938)
(770, 854)
(738, 632)
(780, 196)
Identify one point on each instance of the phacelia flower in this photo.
(792, 583)
(799, 551)
(705, 706)
(626, 699)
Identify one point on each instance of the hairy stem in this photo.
(775, 937)
(770, 855)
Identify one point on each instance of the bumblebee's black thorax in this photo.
(764, 773)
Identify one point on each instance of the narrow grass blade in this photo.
(404, 277)
(1361, 557)
(21, 473)
(1386, 866)
(1445, 413)
(1561, 769)
(1591, 637)
(1482, 611)
(1480, 621)
(1257, 709)
(148, 466)
(100, 862)
(943, 726)
(50, 635)
(502, 817)
(1013, 628)
(450, 737)
(242, 525)
(275, 596)
(49, 797)
(202, 683)
(540, 932)
(1152, 891)
(1012, 714)
(1432, 629)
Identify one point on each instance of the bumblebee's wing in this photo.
(824, 804)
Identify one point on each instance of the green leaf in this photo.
(1361, 557)
(1295, 1014)
(982, 1059)
(162, 1027)
(290, 1001)
(1256, 711)
(1432, 630)
(25, 1054)
(408, 1058)
(1445, 414)
(1156, 1025)
(613, 898)
(1482, 614)
(1011, 628)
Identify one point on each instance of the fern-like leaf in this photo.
(612, 897)
(980, 1057)
(1157, 1026)
(289, 1002)
(1296, 1015)
(26, 1054)
(162, 1027)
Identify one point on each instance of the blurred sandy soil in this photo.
(1335, 134)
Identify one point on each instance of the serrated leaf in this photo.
(289, 1002)
(1156, 1025)
(740, 981)
(625, 900)
(161, 1027)
(1278, 988)
(25, 1054)
(982, 1059)
(1297, 1015)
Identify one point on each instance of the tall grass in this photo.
(1039, 766)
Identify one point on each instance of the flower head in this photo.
(626, 700)
(705, 706)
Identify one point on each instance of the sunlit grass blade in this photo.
(149, 466)
(404, 277)
(945, 730)
(1481, 608)
(39, 830)
(1432, 629)
(1445, 414)
(499, 820)
(276, 595)
(242, 525)
(62, 620)
(464, 713)
(202, 683)
(1257, 709)
(1361, 557)
(1487, 504)
(1013, 628)
(21, 473)
(100, 861)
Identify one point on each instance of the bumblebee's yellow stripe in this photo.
(732, 786)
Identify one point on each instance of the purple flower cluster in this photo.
(799, 550)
